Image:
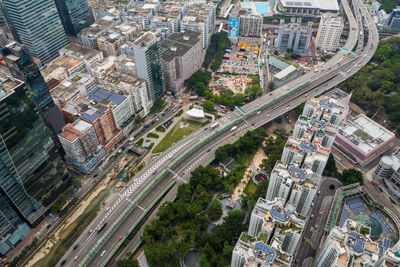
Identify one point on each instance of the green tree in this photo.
(215, 210)
(127, 263)
(208, 105)
(239, 98)
(139, 119)
(351, 176)
(253, 91)
(157, 106)
(271, 85)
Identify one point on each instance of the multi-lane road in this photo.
(123, 210)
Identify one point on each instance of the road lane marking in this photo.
(140, 207)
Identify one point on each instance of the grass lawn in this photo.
(250, 188)
(176, 134)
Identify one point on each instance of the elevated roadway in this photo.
(128, 206)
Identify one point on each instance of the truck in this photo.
(233, 128)
(215, 125)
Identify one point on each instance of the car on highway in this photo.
(252, 124)
(208, 150)
(63, 262)
(76, 257)
(154, 172)
(90, 231)
(319, 192)
(120, 237)
(258, 112)
(107, 209)
(312, 215)
(102, 253)
(76, 246)
(305, 95)
(316, 227)
(320, 214)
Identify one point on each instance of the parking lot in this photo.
(242, 60)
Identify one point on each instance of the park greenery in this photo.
(208, 105)
(389, 5)
(160, 129)
(198, 83)
(153, 135)
(216, 50)
(181, 225)
(377, 85)
(157, 106)
(245, 147)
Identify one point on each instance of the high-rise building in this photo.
(250, 25)
(22, 67)
(394, 19)
(280, 182)
(147, 52)
(290, 241)
(182, 55)
(294, 36)
(74, 15)
(32, 174)
(329, 31)
(37, 25)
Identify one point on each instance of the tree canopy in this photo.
(377, 85)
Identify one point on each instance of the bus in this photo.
(193, 97)
(215, 125)
(100, 228)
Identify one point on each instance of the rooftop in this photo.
(72, 131)
(178, 44)
(365, 133)
(79, 51)
(97, 27)
(146, 40)
(329, 5)
(102, 96)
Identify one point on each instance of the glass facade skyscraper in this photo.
(32, 173)
(147, 53)
(74, 15)
(22, 67)
(36, 24)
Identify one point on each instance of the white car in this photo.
(102, 253)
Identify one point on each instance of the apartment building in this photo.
(82, 149)
(182, 55)
(88, 36)
(294, 36)
(329, 32)
(200, 18)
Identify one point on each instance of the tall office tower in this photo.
(22, 67)
(74, 15)
(37, 25)
(32, 175)
(147, 52)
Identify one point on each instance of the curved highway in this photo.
(94, 247)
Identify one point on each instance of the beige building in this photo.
(110, 41)
(329, 32)
(182, 55)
